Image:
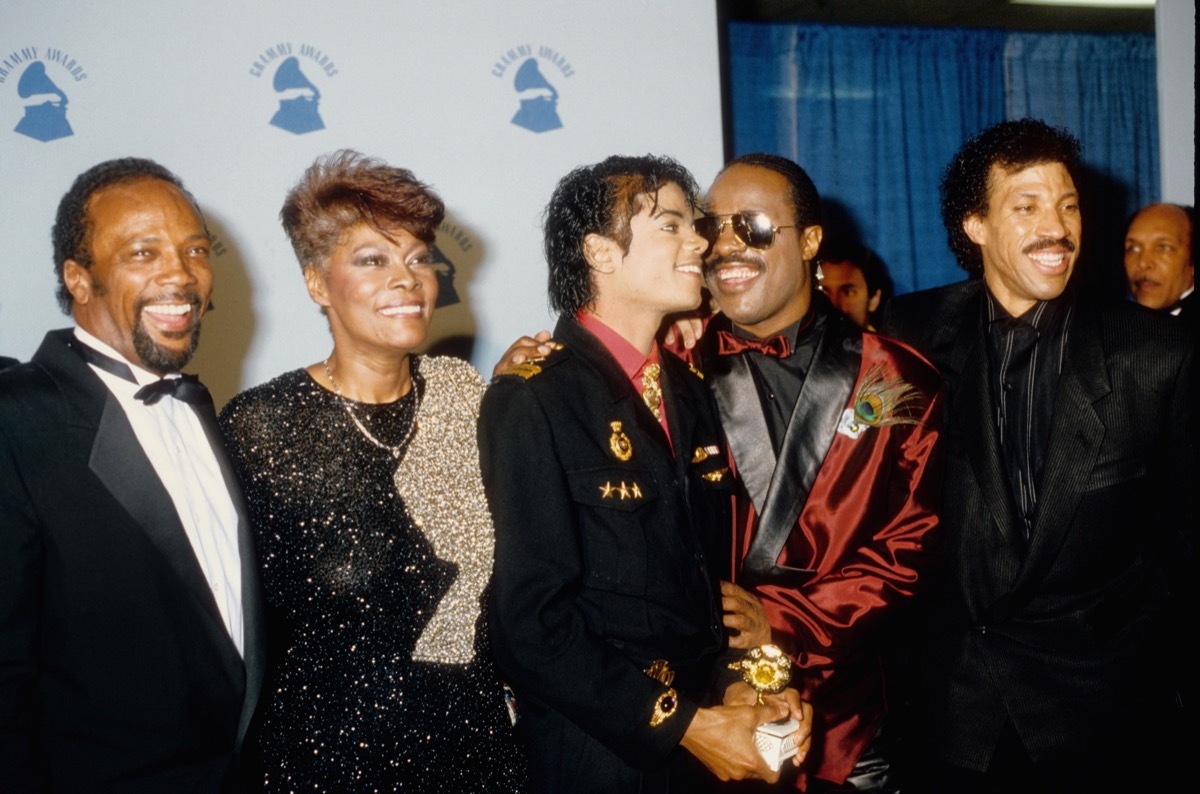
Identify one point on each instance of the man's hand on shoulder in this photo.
(683, 331)
(525, 348)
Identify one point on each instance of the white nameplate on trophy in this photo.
(776, 742)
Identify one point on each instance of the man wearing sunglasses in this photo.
(834, 436)
(610, 492)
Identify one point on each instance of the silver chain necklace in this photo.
(397, 450)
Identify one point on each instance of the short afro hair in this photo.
(806, 202)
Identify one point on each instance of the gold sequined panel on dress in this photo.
(441, 485)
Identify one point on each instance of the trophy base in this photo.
(776, 742)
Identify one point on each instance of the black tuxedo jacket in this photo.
(116, 670)
(602, 565)
(1062, 634)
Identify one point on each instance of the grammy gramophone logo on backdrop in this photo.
(450, 237)
(290, 67)
(536, 94)
(39, 74)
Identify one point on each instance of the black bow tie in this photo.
(187, 388)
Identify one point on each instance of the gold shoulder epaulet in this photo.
(526, 369)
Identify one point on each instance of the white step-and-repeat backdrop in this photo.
(489, 101)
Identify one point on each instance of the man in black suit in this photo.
(130, 636)
(610, 490)
(1069, 492)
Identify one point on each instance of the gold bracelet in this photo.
(664, 708)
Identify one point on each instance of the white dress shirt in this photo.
(173, 438)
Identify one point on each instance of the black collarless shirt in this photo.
(1025, 357)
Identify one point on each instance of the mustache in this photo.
(744, 258)
(1049, 242)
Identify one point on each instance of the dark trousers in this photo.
(1130, 760)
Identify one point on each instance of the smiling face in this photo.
(763, 291)
(378, 293)
(1158, 256)
(659, 274)
(150, 279)
(1029, 236)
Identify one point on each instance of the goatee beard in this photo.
(159, 359)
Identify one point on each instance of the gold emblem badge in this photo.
(666, 704)
(619, 443)
(716, 475)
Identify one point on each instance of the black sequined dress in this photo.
(375, 572)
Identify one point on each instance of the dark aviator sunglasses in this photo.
(752, 228)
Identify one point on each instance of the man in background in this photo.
(1046, 662)
(1158, 259)
(854, 279)
(131, 645)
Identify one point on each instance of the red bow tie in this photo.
(730, 344)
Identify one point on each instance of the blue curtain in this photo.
(874, 115)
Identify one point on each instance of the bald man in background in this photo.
(1158, 259)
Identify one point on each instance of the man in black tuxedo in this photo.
(610, 490)
(130, 623)
(1069, 492)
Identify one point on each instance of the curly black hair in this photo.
(72, 231)
(1012, 146)
(600, 199)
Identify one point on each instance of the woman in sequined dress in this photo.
(362, 478)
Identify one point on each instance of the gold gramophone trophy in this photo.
(768, 669)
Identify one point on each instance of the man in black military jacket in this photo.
(610, 490)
